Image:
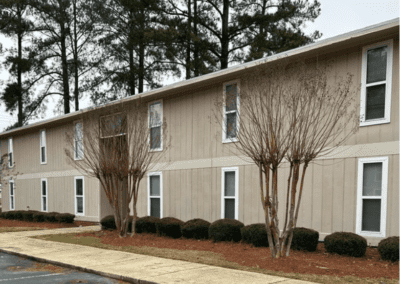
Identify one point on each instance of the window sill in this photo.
(371, 234)
(45, 163)
(374, 122)
(230, 140)
(156, 150)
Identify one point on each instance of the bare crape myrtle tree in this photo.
(289, 115)
(114, 147)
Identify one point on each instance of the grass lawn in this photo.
(18, 229)
(318, 267)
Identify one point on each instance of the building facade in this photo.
(354, 189)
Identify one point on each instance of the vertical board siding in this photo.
(392, 225)
(338, 194)
(350, 194)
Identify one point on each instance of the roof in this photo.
(352, 36)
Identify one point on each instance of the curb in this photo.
(88, 270)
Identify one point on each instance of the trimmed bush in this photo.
(3, 215)
(195, 229)
(147, 224)
(65, 218)
(170, 227)
(346, 244)
(28, 216)
(51, 217)
(389, 249)
(255, 234)
(38, 217)
(18, 215)
(304, 239)
(225, 230)
(10, 215)
(108, 223)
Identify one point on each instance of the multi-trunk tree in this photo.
(289, 115)
(114, 148)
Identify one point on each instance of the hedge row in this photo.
(37, 216)
(256, 234)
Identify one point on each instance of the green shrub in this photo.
(3, 215)
(147, 224)
(346, 244)
(108, 223)
(18, 215)
(65, 218)
(389, 249)
(10, 215)
(38, 217)
(170, 227)
(304, 239)
(225, 230)
(51, 217)
(28, 216)
(195, 229)
(255, 234)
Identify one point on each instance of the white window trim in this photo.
(236, 197)
(83, 195)
(10, 151)
(383, 197)
(41, 195)
(161, 192)
(224, 138)
(162, 121)
(13, 195)
(41, 145)
(388, 82)
(83, 151)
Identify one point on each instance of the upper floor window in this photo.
(43, 156)
(231, 112)
(10, 152)
(376, 85)
(155, 125)
(78, 141)
(372, 196)
(113, 137)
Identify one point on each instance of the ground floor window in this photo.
(372, 196)
(154, 188)
(44, 194)
(12, 195)
(230, 186)
(79, 196)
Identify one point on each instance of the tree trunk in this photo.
(189, 40)
(225, 36)
(196, 41)
(64, 68)
(131, 72)
(19, 69)
(75, 50)
(141, 51)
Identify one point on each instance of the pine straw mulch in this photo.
(4, 223)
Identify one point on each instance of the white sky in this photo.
(337, 17)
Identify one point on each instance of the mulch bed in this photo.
(319, 262)
(46, 225)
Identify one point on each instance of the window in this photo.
(113, 140)
(231, 112)
(229, 200)
(12, 195)
(155, 125)
(371, 196)
(43, 158)
(44, 190)
(78, 141)
(376, 83)
(154, 189)
(10, 153)
(79, 196)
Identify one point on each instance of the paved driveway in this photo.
(15, 269)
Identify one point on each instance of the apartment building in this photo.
(355, 189)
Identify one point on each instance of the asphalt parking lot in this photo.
(15, 269)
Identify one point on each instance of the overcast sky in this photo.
(337, 17)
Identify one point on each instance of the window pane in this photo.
(12, 202)
(155, 114)
(371, 215)
(155, 208)
(231, 97)
(375, 107)
(376, 68)
(231, 125)
(154, 185)
(230, 208)
(113, 125)
(44, 189)
(44, 203)
(12, 188)
(79, 187)
(155, 138)
(372, 179)
(78, 131)
(229, 184)
(79, 204)
(43, 154)
(10, 159)
(79, 149)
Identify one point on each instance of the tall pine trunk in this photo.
(225, 36)
(64, 68)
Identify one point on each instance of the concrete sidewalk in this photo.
(130, 267)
